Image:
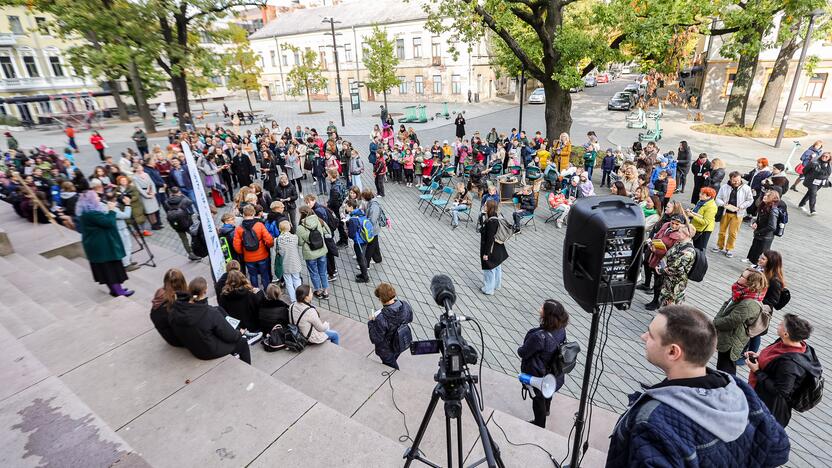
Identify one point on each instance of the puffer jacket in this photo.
(383, 327)
(305, 227)
(730, 322)
(202, 328)
(266, 241)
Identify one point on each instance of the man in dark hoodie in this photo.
(696, 415)
(203, 328)
(777, 180)
(178, 208)
(384, 324)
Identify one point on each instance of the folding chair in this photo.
(428, 194)
(527, 219)
(438, 203)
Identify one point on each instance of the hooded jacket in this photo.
(675, 425)
(305, 227)
(160, 316)
(537, 350)
(242, 304)
(383, 328)
(782, 377)
(202, 328)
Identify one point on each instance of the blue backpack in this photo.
(273, 229)
(366, 233)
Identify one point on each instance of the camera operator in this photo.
(119, 203)
(384, 324)
(537, 350)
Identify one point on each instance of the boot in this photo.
(652, 305)
(120, 291)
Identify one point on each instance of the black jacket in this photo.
(160, 316)
(817, 170)
(775, 289)
(383, 327)
(537, 350)
(766, 222)
(242, 304)
(496, 252)
(202, 328)
(287, 191)
(782, 377)
(272, 312)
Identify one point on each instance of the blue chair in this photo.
(466, 212)
(428, 194)
(527, 219)
(438, 203)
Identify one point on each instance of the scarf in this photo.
(699, 205)
(740, 292)
(775, 350)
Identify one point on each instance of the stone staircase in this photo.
(89, 382)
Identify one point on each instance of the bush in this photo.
(9, 120)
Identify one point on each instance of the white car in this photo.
(538, 96)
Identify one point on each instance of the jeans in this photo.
(811, 196)
(492, 279)
(259, 273)
(356, 181)
(191, 196)
(728, 228)
(518, 215)
(321, 185)
(334, 337)
(128, 245)
(725, 363)
(455, 213)
(317, 273)
(588, 167)
(292, 281)
(605, 177)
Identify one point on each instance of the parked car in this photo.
(621, 101)
(634, 89)
(576, 89)
(590, 81)
(538, 96)
(626, 69)
(602, 78)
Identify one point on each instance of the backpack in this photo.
(401, 338)
(366, 232)
(810, 392)
(382, 219)
(785, 297)
(293, 339)
(274, 339)
(250, 240)
(759, 324)
(273, 229)
(198, 245)
(178, 218)
(504, 231)
(700, 265)
(782, 220)
(316, 239)
(332, 220)
(564, 358)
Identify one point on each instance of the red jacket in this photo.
(266, 242)
(97, 142)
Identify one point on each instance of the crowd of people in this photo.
(296, 198)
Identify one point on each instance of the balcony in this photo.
(436, 61)
(40, 83)
(7, 39)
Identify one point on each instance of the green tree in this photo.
(305, 76)
(381, 62)
(242, 64)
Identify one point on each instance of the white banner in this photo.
(212, 239)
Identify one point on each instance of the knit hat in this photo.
(678, 218)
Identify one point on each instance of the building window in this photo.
(348, 52)
(402, 85)
(297, 58)
(7, 66)
(456, 84)
(400, 49)
(437, 84)
(435, 48)
(45, 107)
(31, 66)
(57, 68)
(322, 55)
(272, 57)
(729, 81)
(262, 61)
(419, 85)
(216, 80)
(816, 85)
(14, 25)
(417, 47)
(365, 50)
(284, 59)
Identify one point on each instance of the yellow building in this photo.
(33, 70)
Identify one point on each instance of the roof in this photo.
(357, 13)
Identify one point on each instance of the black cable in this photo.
(551, 457)
(389, 375)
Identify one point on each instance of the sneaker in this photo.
(805, 209)
(360, 279)
(812, 213)
(253, 338)
(147, 233)
(717, 250)
(454, 226)
(128, 292)
(317, 294)
(745, 260)
(486, 292)
(193, 257)
(729, 253)
(325, 296)
(332, 278)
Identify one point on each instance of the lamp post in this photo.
(793, 90)
(522, 98)
(332, 22)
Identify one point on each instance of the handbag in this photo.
(719, 212)
(759, 325)
(278, 265)
(800, 168)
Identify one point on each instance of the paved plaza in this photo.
(418, 246)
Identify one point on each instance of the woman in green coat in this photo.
(101, 241)
(315, 258)
(732, 320)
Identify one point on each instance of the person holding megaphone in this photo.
(539, 346)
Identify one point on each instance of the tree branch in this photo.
(615, 44)
(222, 9)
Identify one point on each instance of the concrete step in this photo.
(16, 326)
(27, 310)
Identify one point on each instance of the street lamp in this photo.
(332, 22)
(522, 97)
(793, 90)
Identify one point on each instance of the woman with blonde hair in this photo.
(717, 173)
(731, 321)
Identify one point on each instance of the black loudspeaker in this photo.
(602, 249)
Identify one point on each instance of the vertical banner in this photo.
(209, 229)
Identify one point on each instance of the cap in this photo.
(678, 218)
(445, 142)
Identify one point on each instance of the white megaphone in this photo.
(546, 385)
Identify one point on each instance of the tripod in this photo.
(451, 394)
(136, 231)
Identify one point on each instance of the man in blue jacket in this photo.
(696, 416)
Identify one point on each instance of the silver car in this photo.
(538, 96)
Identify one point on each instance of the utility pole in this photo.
(797, 73)
(332, 22)
(522, 98)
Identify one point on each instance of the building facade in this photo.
(427, 70)
(32, 66)
(716, 76)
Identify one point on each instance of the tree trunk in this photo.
(122, 108)
(248, 98)
(384, 93)
(141, 101)
(737, 102)
(180, 91)
(764, 121)
(558, 110)
(308, 99)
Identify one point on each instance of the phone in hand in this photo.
(752, 359)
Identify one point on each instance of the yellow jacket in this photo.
(704, 219)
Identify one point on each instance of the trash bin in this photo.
(508, 186)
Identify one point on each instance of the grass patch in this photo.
(737, 131)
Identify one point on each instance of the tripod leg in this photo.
(413, 452)
(459, 440)
(448, 441)
(488, 445)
